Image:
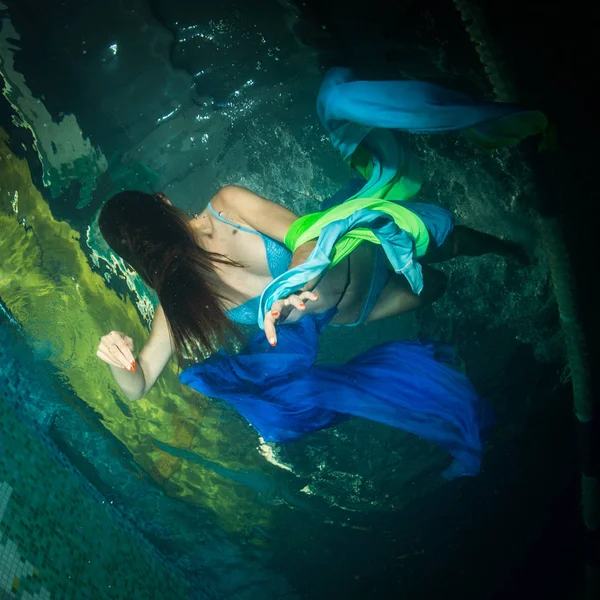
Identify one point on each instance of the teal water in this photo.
(186, 98)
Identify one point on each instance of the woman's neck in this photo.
(203, 230)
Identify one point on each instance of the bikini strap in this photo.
(224, 220)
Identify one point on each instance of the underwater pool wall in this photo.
(551, 234)
(58, 537)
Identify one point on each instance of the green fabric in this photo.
(396, 176)
(404, 184)
(383, 194)
(309, 227)
(508, 130)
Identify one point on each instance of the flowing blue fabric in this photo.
(371, 114)
(408, 385)
(396, 243)
(350, 109)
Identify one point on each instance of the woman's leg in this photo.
(464, 241)
(398, 298)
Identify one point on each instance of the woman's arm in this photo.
(116, 349)
(251, 210)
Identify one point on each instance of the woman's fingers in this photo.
(278, 313)
(111, 354)
(125, 345)
(277, 309)
(269, 327)
(108, 359)
(295, 301)
(309, 296)
(292, 301)
(116, 349)
(281, 309)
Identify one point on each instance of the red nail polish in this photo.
(302, 305)
(275, 313)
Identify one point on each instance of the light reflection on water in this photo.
(233, 102)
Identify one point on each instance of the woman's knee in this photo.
(448, 250)
(398, 298)
(434, 284)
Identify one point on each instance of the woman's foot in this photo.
(470, 242)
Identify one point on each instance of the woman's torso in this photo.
(345, 285)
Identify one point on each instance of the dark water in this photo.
(187, 96)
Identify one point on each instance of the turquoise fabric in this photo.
(397, 244)
(364, 120)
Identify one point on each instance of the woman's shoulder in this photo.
(227, 206)
(227, 197)
(219, 204)
(224, 201)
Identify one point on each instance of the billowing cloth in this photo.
(372, 112)
(363, 120)
(309, 226)
(440, 224)
(396, 242)
(408, 385)
(280, 390)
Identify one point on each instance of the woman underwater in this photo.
(247, 259)
(211, 271)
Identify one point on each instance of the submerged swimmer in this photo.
(210, 271)
(248, 260)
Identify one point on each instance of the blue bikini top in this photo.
(278, 259)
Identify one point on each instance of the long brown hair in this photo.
(157, 240)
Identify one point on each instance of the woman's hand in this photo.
(281, 309)
(116, 349)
